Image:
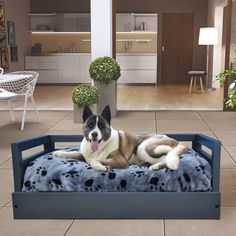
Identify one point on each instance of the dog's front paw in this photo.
(108, 168)
(58, 153)
(173, 165)
(157, 166)
(172, 161)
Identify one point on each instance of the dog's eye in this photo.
(90, 126)
(100, 126)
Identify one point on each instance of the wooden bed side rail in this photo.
(19, 164)
(199, 141)
(215, 147)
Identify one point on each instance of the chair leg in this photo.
(11, 111)
(195, 83)
(191, 84)
(201, 84)
(35, 108)
(24, 113)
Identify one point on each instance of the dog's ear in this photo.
(86, 113)
(106, 114)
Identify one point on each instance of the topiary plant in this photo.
(231, 74)
(85, 94)
(104, 70)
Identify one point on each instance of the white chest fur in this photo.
(105, 148)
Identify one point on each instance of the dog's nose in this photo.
(94, 134)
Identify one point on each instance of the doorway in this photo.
(177, 47)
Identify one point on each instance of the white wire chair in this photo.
(19, 84)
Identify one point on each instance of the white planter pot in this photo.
(108, 96)
(78, 113)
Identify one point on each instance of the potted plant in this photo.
(83, 94)
(36, 49)
(105, 71)
(231, 75)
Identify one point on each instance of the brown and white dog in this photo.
(104, 147)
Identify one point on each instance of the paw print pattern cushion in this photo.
(50, 173)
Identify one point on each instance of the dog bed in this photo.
(49, 173)
(158, 201)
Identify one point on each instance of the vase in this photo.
(108, 96)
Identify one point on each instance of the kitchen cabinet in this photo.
(60, 22)
(138, 68)
(68, 68)
(80, 22)
(41, 22)
(46, 66)
(127, 22)
(85, 60)
(60, 67)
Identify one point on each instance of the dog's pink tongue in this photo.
(94, 146)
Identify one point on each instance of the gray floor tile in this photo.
(228, 186)
(177, 115)
(6, 185)
(11, 227)
(117, 228)
(225, 226)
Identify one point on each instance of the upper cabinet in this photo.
(128, 22)
(80, 22)
(60, 22)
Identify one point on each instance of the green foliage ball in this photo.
(104, 70)
(85, 94)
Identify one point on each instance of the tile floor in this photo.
(216, 124)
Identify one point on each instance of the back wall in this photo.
(198, 7)
(16, 11)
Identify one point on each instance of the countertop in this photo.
(81, 53)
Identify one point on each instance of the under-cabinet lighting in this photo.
(65, 32)
(126, 40)
(55, 32)
(41, 14)
(144, 14)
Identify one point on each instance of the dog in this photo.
(105, 148)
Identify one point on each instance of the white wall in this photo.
(233, 32)
(16, 10)
(215, 19)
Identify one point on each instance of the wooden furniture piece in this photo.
(193, 81)
(114, 205)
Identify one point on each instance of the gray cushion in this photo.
(49, 173)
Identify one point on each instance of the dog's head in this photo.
(97, 129)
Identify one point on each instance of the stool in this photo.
(194, 76)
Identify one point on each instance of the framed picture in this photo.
(11, 32)
(4, 58)
(14, 53)
(3, 39)
(2, 16)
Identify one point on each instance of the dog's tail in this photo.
(172, 157)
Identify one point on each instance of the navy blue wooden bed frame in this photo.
(114, 205)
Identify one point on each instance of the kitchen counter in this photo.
(73, 67)
(87, 53)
